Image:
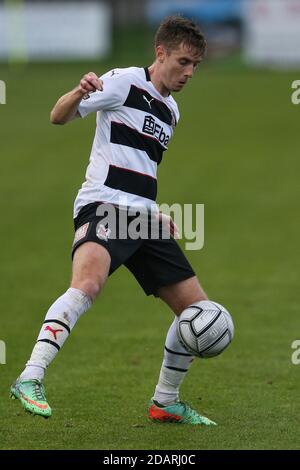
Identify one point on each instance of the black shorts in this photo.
(154, 262)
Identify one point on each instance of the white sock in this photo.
(59, 321)
(175, 365)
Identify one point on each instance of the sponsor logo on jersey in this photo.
(154, 129)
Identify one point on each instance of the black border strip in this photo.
(59, 323)
(50, 342)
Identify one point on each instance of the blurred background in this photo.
(262, 31)
(235, 150)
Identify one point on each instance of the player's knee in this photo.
(91, 287)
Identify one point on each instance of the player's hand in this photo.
(169, 225)
(90, 83)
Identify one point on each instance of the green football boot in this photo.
(179, 412)
(31, 394)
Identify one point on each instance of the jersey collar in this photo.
(148, 78)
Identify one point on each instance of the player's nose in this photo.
(189, 71)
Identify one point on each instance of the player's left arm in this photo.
(168, 224)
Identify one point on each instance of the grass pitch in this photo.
(235, 150)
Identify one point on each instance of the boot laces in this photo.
(38, 390)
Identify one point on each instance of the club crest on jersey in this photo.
(151, 127)
(81, 233)
(174, 120)
(102, 232)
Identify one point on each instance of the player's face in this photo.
(178, 66)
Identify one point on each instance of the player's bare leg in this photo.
(182, 294)
(91, 265)
(165, 405)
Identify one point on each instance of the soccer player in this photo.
(136, 117)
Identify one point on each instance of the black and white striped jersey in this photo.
(134, 126)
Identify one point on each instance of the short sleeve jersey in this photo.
(134, 125)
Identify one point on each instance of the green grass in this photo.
(235, 150)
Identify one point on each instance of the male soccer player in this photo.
(136, 117)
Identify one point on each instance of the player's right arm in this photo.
(66, 107)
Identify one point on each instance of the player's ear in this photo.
(160, 53)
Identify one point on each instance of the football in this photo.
(205, 329)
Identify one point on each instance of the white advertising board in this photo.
(54, 31)
(272, 32)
